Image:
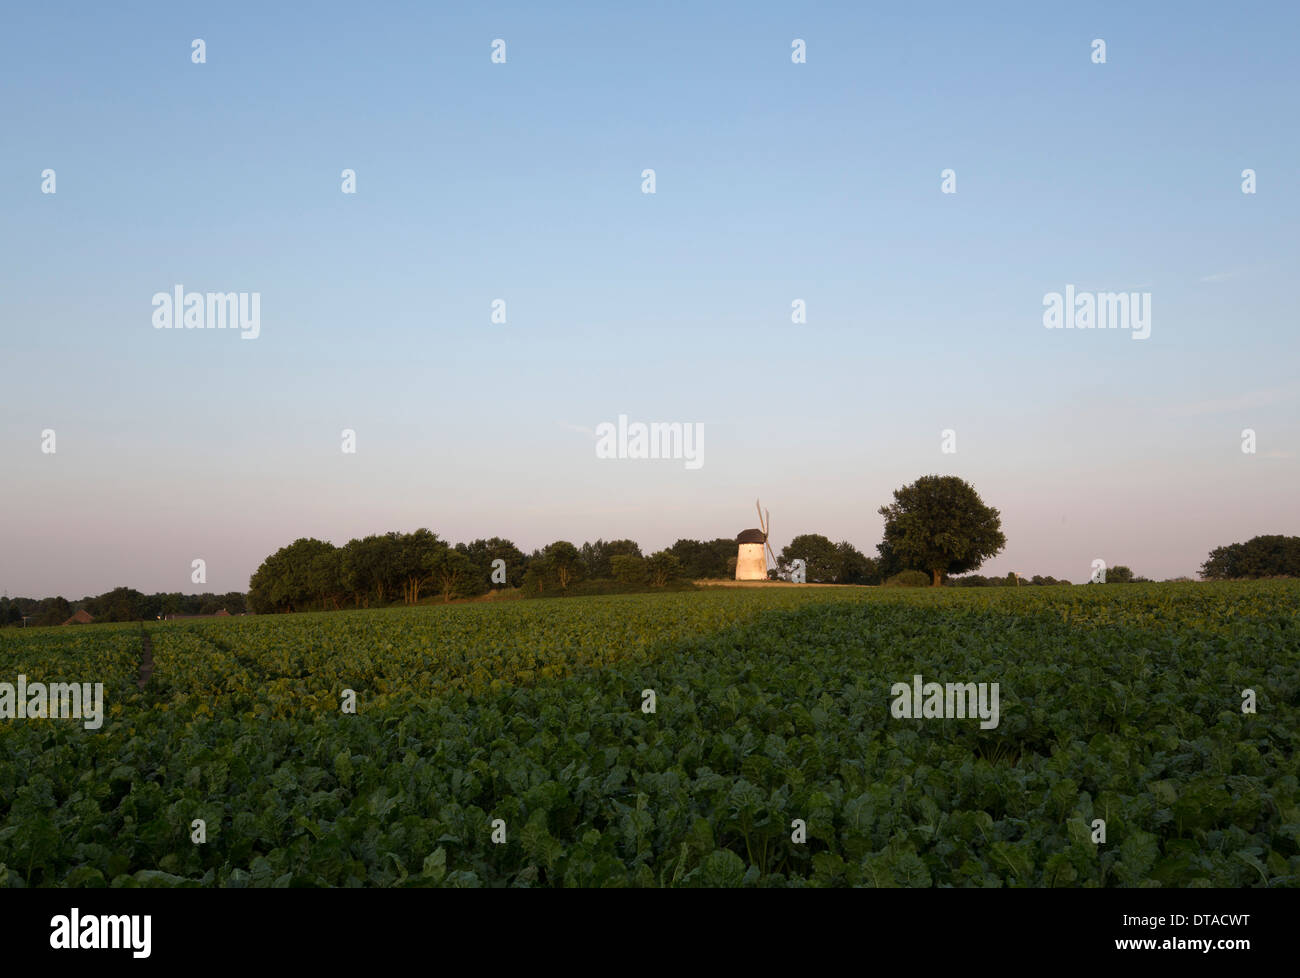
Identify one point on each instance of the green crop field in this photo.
(772, 719)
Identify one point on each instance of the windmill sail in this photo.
(765, 524)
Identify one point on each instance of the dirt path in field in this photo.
(146, 661)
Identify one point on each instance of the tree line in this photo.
(938, 526)
(937, 531)
(1263, 556)
(381, 569)
(119, 604)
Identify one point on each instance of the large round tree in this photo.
(821, 559)
(940, 525)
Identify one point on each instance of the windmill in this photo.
(751, 562)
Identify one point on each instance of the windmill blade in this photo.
(760, 515)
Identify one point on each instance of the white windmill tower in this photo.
(751, 562)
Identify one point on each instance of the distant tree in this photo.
(52, 611)
(119, 604)
(1262, 556)
(623, 548)
(596, 557)
(452, 572)
(414, 552)
(1011, 580)
(854, 566)
(482, 553)
(1119, 574)
(325, 578)
(283, 581)
(700, 560)
(562, 563)
(888, 563)
(687, 553)
(940, 525)
(10, 612)
(664, 567)
(535, 578)
(821, 559)
(721, 559)
(352, 571)
(694, 557)
(908, 578)
(595, 561)
(629, 568)
(370, 568)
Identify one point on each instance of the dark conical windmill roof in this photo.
(751, 536)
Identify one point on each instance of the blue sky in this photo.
(522, 181)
